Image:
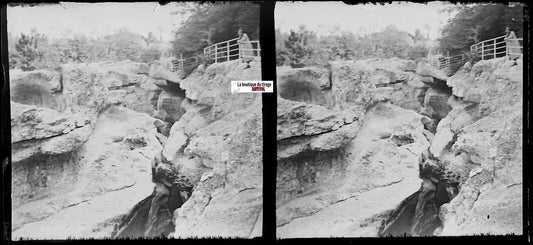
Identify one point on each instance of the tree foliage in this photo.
(34, 50)
(299, 50)
(478, 22)
(304, 48)
(212, 23)
(29, 50)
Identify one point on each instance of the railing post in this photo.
(181, 61)
(494, 48)
(227, 51)
(447, 59)
(482, 51)
(216, 53)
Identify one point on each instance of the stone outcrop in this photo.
(355, 151)
(221, 159)
(304, 84)
(41, 88)
(484, 152)
(157, 71)
(435, 99)
(211, 161)
(227, 195)
(435, 103)
(82, 148)
(453, 169)
(169, 105)
(473, 169)
(423, 68)
(322, 194)
(339, 88)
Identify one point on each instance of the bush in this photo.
(150, 55)
(303, 48)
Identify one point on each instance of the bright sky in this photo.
(94, 19)
(322, 17)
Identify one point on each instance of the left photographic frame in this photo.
(124, 125)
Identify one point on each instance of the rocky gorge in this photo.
(389, 147)
(124, 149)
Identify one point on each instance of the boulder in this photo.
(41, 88)
(211, 89)
(336, 192)
(304, 84)
(227, 197)
(435, 103)
(424, 69)
(74, 159)
(492, 84)
(299, 119)
(158, 72)
(479, 145)
(69, 194)
(43, 131)
(490, 198)
(169, 105)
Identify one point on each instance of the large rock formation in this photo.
(211, 162)
(82, 145)
(344, 164)
(84, 141)
(221, 160)
(473, 170)
(480, 143)
(347, 87)
(359, 165)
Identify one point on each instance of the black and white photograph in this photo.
(265, 122)
(123, 123)
(399, 119)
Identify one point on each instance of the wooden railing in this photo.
(446, 62)
(496, 48)
(186, 64)
(232, 50)
(216, 53)
(485, 50)
(223, 51)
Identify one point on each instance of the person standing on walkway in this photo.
(513, 46)
(245, 47)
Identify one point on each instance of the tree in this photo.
(29, 50)
(212, 23)
(14, 56)
(123, 45)
(475, 23)
(150, 39)
(281, 50)
(303, 48)
(392, 42)
(299, 50)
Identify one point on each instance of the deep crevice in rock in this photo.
(153, 216)
(418, 214)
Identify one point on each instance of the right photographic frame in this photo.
(399, 119)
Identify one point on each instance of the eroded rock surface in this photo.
(485, 152)
(359, 165)
(211, 162)
(473, 169)
(320, 194)
(85, 147)
(357, 152)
